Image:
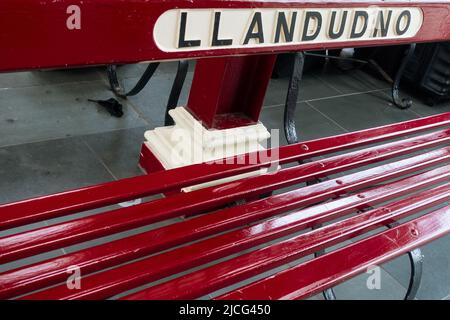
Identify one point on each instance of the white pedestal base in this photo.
(189, 142)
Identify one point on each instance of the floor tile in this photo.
(350, 81)
(126, 71)
(362, 111)
(310, 88)
(41, 78)
(419, 107)
(310, 123)
(435, 282)
(152, 101)
(41, 168)
(50, 112)
(119, 150)
(357, 288)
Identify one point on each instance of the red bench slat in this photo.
(115, 267)
(52, 206)
(49, 272)
(333, 268)
(199, 283)
(196, 284)
(98, 225)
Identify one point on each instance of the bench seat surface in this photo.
(191, 245)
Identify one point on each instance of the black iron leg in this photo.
(114, 83)
(416, 262)
(175, 93)
(402, 103)
(118, 89)
(183, 67)
(146, 76)
(290, 130)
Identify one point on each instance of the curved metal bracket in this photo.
(416, 262)
(290, 130)
(117, 87)
(402, 103)
(180, 78)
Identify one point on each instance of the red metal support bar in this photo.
(229, 92)
(52, 206)
(210, 279)
(333, 268)
(63, 234)
(46, 273)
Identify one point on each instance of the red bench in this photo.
(381, 185)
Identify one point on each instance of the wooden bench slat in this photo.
(68, 233)
(49, 272)
(64, 203)
(199, 283)
(345, 195)
(333, 268)
(196, 284)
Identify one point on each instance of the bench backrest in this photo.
(37, 35)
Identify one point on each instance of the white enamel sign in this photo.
(206, 29)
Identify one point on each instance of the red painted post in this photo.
(229, 92)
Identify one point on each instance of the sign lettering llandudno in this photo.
(212, 29)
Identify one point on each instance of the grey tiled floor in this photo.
(53, 139)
